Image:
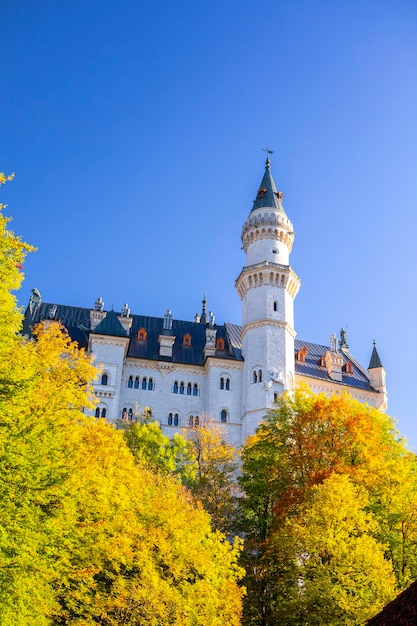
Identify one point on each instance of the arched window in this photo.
(275, 306)
(130, 414)
(103, 412)
(189, 389)
(182, 387)
(130, 382)
(255, 376)
(175, 387)
(124, 414)
(176, 419)
(170, 419)
(193, 421)
(150, 384)
(195, 389)
(223, 416)
(137, 382)
(222, 383)
(260, 376)
(97, 412)
(104, 379)
(144, 381)
(227, 384)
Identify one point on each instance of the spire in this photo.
(204, 318)
(268, 195)
(375, 359)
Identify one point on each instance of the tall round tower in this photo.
(267, 287)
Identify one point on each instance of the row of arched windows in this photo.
(225, 383)
(172, 420)
(189, 390)
(194, 420)
(136, 383)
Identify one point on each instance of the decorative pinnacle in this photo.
(268, 152)
(203, 318)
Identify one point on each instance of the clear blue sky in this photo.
(135, 131)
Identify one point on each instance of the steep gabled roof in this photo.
(77, 321)
(110, 325)
(359, 378)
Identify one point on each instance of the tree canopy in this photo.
(321, 517)
(87, 535)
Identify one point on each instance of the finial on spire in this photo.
(203, 318)
(268, 152)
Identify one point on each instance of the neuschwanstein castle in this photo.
(190, 371)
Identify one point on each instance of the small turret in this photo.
(377, 377)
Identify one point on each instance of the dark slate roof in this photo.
(77, 321)
(110, 325)
(359, 379)
(267, 193)
(375, 360)
(402, 610)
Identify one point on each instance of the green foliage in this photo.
(320, 513)
(152, 449)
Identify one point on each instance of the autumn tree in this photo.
(154, 450)
(141, 551)
(215, 483)
(88, 536)
(302, 444)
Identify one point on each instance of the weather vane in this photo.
(268, 150)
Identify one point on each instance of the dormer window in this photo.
(186, 340)
(261, 192)
(300, 356)
(321, 362)
(348, 368)
(220, 343)
(142, 334)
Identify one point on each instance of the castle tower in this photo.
(267, 287)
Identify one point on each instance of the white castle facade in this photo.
(189, 372)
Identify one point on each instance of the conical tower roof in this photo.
(375, 359)
(268, 195)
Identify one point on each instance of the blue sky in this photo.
(136, 132)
